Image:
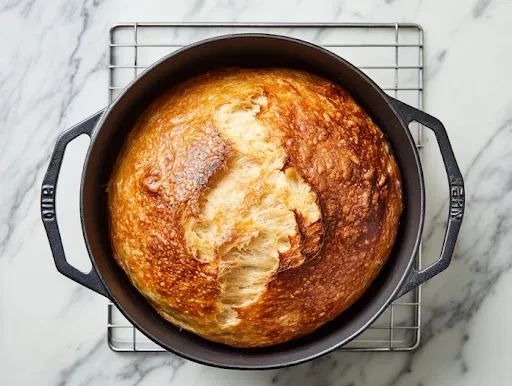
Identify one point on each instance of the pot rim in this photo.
(382, 94)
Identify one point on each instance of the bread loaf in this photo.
(252, 206)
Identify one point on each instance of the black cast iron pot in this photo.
(108, 129)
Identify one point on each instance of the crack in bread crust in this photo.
(247, 214)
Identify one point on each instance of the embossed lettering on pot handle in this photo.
(456, 188)
(48, 213)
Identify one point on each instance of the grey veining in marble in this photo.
(53, 73)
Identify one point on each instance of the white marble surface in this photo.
(53, 73)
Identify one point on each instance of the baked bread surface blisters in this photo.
(253, 206)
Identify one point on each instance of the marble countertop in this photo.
(53, 73)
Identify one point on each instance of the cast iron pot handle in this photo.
(456, 187)
(49, 215)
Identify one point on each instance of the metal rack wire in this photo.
(390, 53)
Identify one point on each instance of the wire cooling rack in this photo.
(390, 53)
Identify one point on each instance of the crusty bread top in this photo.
(252, 206)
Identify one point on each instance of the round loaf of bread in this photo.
(252, 206)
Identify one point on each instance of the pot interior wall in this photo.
(246, 51)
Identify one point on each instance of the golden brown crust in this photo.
(178, 154)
